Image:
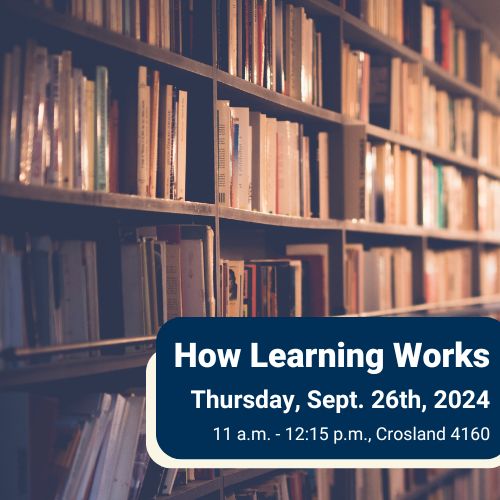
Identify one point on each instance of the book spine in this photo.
(101, 130)
(54, 172)
(181, 145)
(143, 133)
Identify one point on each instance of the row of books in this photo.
(490, 70)
(489, 268)
(49, 292)
(448, 199)
(292, 286)
(167, 271)
(168, 24)
(488, 145)
(58, 127)
(488, 203)
(50, 288)
(382, 90)
(378, 279)
(448, 274)
(271, 43)
(397, 19)
(443, 41)
(269, 165)
(391, 179)
(380, 185)
(155, 138)
(449, 121)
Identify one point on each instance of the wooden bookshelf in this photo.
(260, 232)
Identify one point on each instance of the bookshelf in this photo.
(118, 363)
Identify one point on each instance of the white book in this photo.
(223, 152)
(242, 172)
(283, 170)
(232, 44)
(271, 163)
(74, 299)
(192, 278)
(108, 456)
(181, 145)
(258, 122)
(134, 305)
(324, 176)
(127, 448)
(143, 132)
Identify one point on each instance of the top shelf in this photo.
(355, 30)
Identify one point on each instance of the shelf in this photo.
(435, 308)
(394, 137)
(232, 477)
(48, 194)
(233, 88)
(71, 369)
(124, 44)
(239, 215)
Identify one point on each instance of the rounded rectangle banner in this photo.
(329, 392)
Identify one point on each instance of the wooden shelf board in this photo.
(436, 307)
(236, 214)
(72, 369)
(17, 191)
(390, 136)
(274, 102)
(90, 32)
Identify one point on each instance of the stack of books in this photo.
(167, 271)
(488, 144)
(378, 279)
(271, 43)
(449, 123)
(488, 203)
(169, 24)
(293, 286)
(355, 83)
(489, 278)
(442, 41)
(48, 292)
(269, 165)
(58, 127)
(490, 71)
(448, 199)
(448, 274)
(155, 138)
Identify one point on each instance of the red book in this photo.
(445, 37)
